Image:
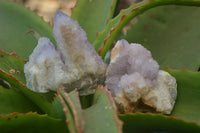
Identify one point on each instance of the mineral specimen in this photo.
(74, 64)
(133, 76)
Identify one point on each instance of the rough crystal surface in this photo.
(163, 95)
(133, 76)
(128, 59)
(134, 86)
(74, 64)
(42, 64)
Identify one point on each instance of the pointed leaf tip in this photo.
(100, 117)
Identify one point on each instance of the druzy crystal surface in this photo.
(133, 77)
(75, 63)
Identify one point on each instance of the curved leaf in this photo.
(57, 109)
(15, 22)
(93, 15)
(188, 95)
(13, 101)
(151, 123)
(172, 36)
(11, 63)
(100, 117)
(106, 37)
(44, 105)
(31, 123)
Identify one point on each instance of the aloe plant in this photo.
(168, 28)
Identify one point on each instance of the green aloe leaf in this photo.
(93, 15)
(72, 110)
(31, 123)
(12, 64)
(36, 99)
(188, 95)
(102, 115)
(14, 101)
(98, 118)
(56, 110)
(172, 36)
(107, 36)
(15, 22)
(152, 123)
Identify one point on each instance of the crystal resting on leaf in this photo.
(74, 64)
(133, 77)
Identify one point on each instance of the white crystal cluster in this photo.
(74, 64)
(133, 76)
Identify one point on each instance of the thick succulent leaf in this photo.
(72, 110)
(48, 96)
(57, 109)
(36, 99)
(77, 111)
(14, 101)
(15, 22)
(151, 123)
(172, 36)
(106, 37)
(93, 15)
(102, 114)
(31, 123)
(100, 117)
(188, 95)
(12, 64)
